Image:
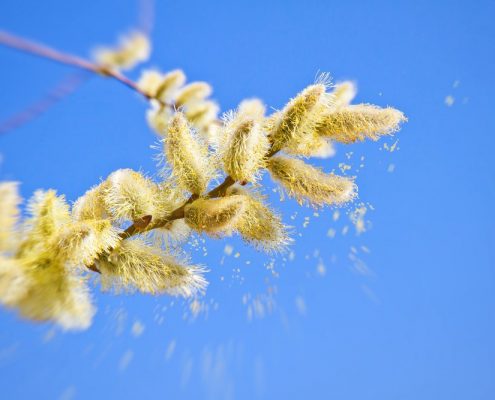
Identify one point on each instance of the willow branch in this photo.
(43, 51)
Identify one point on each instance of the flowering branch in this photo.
(37, 260)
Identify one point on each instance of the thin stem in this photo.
(43, 51)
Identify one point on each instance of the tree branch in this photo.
(43, 51)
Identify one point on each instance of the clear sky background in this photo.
(412, 318)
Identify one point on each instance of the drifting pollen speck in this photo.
(449, 100)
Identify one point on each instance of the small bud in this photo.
(309, 184)
(253, 108)
(215, 216)
(192, 93)
(132, 49)
(161, 86)
(202, 114)
(343, 93)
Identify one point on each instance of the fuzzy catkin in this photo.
(299, 117)
(81, 243)
(244, 149)
(215, 216)
(259, 225)
(187, 156)
(359, 122)
(308, 184)
(161, 86)
(54, 292)
(129, 195)
(343, 93)
(192, 93)
(134, 265)
(132, 49)
(91, 205)
(9, 215)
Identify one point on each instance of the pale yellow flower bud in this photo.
(253, 108)
(215, 216)
(202, 114)
(192, 93)
(132, 49)
(161, 86)
(343, 93)
(308, 184)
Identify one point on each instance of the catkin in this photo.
(244, 149)
(299, 117)
(192, 93)
(343, 93)
(134, 265)
(308, 184)
(91, 205)
(81, 243)
(187, 156)
(215, 216)
(132, 49)
(259, 225)
(359, 122)
(128, 195)
(9, 215)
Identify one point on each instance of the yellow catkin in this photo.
(192, 93)
(253, 108)
(161, 86)
(244, 148)
(202, 114)
(259, 225)
(299, 117)
(81, 243)
(359, 122)
(158, 118)
(308, 184)
(9, 215)
(132, 49)
(91, 205)
(129, 195)
(343, 93)
(134, 265)
(215, 216)
(54, 293)
(187, 156)
(13, 281)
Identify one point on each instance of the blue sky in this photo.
(413, 318)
